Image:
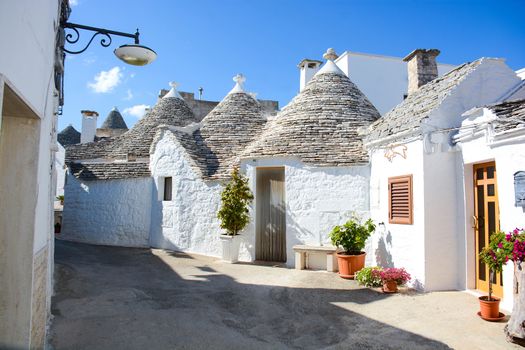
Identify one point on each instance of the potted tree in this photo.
(351, 236)
(234, 214)
(495, 255)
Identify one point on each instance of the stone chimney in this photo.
(308, 68)
(422, 68)
(89, 126)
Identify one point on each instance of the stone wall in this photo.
(39, 303)
(113, 212)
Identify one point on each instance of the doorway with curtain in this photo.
(270, 242)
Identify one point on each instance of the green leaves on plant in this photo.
(352, 235)
(235, 198)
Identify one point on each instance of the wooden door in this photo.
(486, 221)
(270, 242)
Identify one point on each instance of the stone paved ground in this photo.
(121, 298)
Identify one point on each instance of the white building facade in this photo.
(29, 100)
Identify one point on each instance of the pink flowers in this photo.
(399, 275)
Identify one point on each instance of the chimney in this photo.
(422, 68)
(89, 126)
(308, 68)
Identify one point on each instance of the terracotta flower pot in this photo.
(489, 309)
(350, 264)
(390, 287)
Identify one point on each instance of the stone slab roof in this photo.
(320, 125)
(109, 171)
(511, 115)
(114, 120)
(68, 136)
(137, 141)
(227, 130)
(408, 115)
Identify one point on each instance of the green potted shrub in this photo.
(60, 198)
(234, 214)
(351, 236)
(495, 255)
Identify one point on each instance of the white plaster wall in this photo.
(442, 238)
(189, 222)
(395, 244)
(317, 199)
(29, 66)
(383, 79)
(60, 170)
(109, 212)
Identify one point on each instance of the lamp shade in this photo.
(136, 55)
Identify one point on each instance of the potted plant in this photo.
(352, 237)
(514, 330)
(61, 199)
(369, 277)
(391, 278)
(495, 255)
(234, 214)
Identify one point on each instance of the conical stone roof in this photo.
(320, 125)
(68, 136)
(228, 129)
(114, 120)
(170, 110)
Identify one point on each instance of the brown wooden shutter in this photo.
(400, 200)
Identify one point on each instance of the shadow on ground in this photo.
(120, 298)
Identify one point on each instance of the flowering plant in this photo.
(501, 248)
(517, 238)
(399, 275)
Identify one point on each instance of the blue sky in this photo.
(205, 43)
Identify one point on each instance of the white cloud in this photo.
(129, 95)
(106, 81)
(137, 110)
(73, 3)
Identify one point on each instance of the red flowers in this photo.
(399, 275)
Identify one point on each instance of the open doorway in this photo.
(270, 242)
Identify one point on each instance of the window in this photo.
(400, 200)
(167, 189)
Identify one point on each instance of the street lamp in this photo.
(134, 54)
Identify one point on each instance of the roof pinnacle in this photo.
(239, 80)
(173, 92)
(330, 55)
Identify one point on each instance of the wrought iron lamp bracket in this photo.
(105, 41)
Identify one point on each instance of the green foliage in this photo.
(60, 198)
(496, 254)
(352, 235)
(366, 277)
(235, 198)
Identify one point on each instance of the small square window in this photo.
(167, 188)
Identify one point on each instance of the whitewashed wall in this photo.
(60, 170)
(109, 212)
(396, 245)
(189, 222)
(29, 66)
(317, 199)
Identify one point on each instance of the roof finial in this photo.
(239, 80)
(173, 92)
(330, 55)
(115, 108)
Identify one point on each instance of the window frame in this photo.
(401, 220)
(167, 190)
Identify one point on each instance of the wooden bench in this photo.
(302, 251)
